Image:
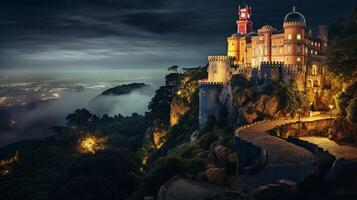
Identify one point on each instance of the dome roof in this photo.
(294, 17)
(267, 28)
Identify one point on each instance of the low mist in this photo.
(37, 122)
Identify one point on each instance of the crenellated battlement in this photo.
(271, 64)
(210, 84)
(290, 24)
(227, 59)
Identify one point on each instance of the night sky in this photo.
(135, 33)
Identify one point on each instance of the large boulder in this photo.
(185, 189)
(178, 108)
(268, 105)
(220, 152)
(215, 175)
(281, 190)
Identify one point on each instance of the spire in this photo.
(294, 8)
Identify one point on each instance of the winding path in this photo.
(284, 160)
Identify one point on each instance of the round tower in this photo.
(219, 68)
(234, 46)
(294, 35)
(266, 32)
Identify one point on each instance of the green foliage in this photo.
(34, 175)
(106, 175)
(126, 132)
(352, 111)
(80, 118)
(290, 98)
(206, 139)
(159, 105)
(342, 51)
(347, 103)
(194, 165)
(164, 169)
(186, 150)
(239, 81)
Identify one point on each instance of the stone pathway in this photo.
(284, 160)
(186, 189)
(340, 151)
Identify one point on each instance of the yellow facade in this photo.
(293, 45)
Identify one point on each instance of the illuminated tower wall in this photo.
(294, 34)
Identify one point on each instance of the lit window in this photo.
(306, 50)
(289, 49)
(298, 36)
(298, 59)
(290, 37)
(314, 69)
(315, 52)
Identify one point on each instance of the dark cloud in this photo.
(135, 33)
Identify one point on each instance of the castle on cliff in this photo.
(266, 54)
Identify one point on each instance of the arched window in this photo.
(316, 83)
(298, 36)
(309, 83)
(314, 70)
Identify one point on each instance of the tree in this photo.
(81, 118)
(342, 53)
(106, 175)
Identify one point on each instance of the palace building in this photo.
(290, 54)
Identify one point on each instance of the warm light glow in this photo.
(5, 167)
(92, 144)
(331, 107)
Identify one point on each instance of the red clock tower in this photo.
(244, 24)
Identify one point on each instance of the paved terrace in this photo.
(339, 150)
(284, 159)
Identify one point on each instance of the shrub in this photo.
(186, 150)
(164, 169)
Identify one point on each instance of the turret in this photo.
(219, 68)
(234, 46)
(244, 24)
(294, 34)
(323, 35)
(266, 32)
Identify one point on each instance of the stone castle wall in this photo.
(219, 68)
(209, 105)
